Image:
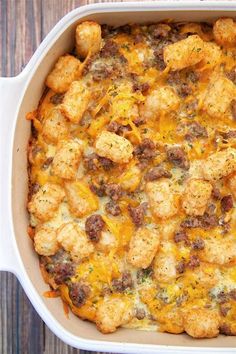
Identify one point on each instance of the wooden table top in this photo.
(24, 24)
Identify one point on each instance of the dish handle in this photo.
(11, 90)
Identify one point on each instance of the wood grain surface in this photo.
(23, 25)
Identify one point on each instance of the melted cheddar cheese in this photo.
(132, 165)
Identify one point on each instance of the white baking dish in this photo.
(20, 95)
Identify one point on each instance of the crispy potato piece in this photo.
(46, 201)
(75, 102)
(184, 53)
(164, 266)
(167, 229)
(55, 126)
(195, 170)
(113, 312)
(63, 73)
(74, 240)
(143, 247)
(196, 196)
(45, 241)
(171, 321)
(202, 323)
(218, 96)
(88, 38)
(219, 251)
(232, 184)
(212, 55)
(114, 147)
(163, 99)
(205, 275)
(224, 31)
(80, 199)
(161, 199)
(67, 158)
(219, 164)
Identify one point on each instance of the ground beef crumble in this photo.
(93, 227)
(110, 48)
(78, 293)
(125, 282)
(178, 157)
(181, 236)
(205, 222)
(157, 172)
(194, 262)
(137, 214)
(114, 191)
(146, 150)
(113, 208)
(227, 203)
(59, 266)
(198, 244)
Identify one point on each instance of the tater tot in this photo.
(201, 323)
(196, 196)
(75, 102)
(224, 31)
(143, 247)
(46, 201)
(212, 55)
(219, 164)
(74, 240)
(67, 158)
(114, 147)
(161, 199)
(88, 38)
(184, 53)
(63, 74)
(219, 251)
(55, 127)
(113, 312)
(171, 322)
(164, 266)
(164, 99)
(204, 275)
(80, 199)
(218, 96)
(45, 241)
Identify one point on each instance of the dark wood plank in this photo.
(19, 323)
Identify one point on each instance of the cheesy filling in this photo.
(132, 177)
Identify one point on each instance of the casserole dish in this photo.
(17, 256)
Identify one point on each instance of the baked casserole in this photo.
(132, 177)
